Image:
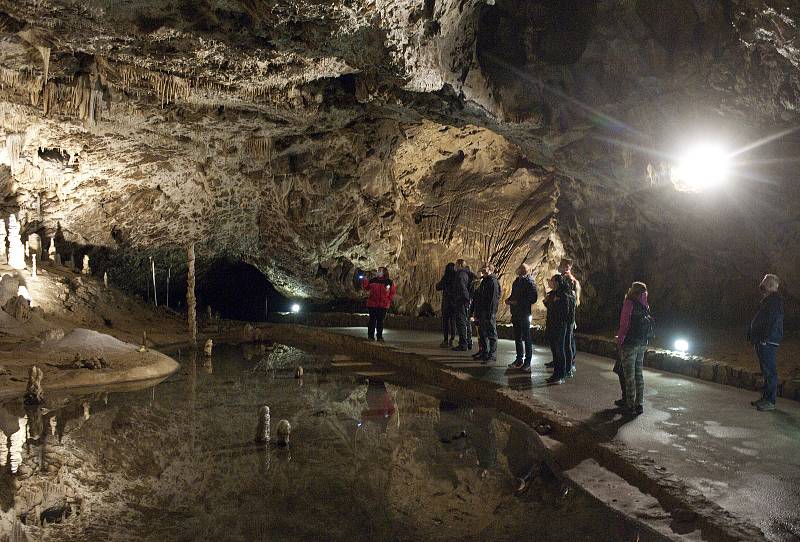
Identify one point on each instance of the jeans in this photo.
(632, 361)
(487, 327)
(570, 347)
(522, 339)
(448, 323)
(768, 359)
(376, 317)
(558, 342)
(462, 325)
(469, 326)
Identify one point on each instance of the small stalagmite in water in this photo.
(263, 427)
(208, 347)
(282, 432)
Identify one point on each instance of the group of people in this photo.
(466, 297)
(469, 298)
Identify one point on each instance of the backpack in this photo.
(643, 325)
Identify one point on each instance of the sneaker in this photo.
(526, 368)
(460, 348)
(550, 364)
(516, 364)
(555, 380)
(639, 410)
(571, 373)
(766, 406)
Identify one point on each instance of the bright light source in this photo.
(703, 166)
(530, 319)
(361, 276)
(295, 308)
(682, 345)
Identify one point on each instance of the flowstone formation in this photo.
(313, 139)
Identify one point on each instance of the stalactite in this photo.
(191, 300)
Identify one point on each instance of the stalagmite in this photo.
(263, 427)
(3, 249)
(298, 372)
(33, 267)
(143, 348)
(51, 252)
(87, 270)
(16, 254)
(208, 347)
(27, 250)
(34, 394)
(282, 431)
(105, 280)
(191, 300)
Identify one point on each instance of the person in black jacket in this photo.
(446, 286)
(461, 300)
(766, 333)
(487, 298)
(523, 295)
(560, 318)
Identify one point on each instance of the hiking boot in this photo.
(766, 406)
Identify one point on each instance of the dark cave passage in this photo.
(238, 291)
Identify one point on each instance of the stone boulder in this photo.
(19, 308)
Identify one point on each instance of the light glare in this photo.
(703, 166)
(295, 308)
(682, 345)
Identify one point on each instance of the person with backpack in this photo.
(381, 292)
(447, 286)
(636, 329)
(765, 334)
(560, 318)
(523, 295)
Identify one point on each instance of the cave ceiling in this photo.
(310, 138)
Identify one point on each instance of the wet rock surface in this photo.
(311, 139)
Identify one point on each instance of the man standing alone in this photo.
(487, 298)
(765, 333)
(523, 295)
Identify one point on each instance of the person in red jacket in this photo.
(381, 292)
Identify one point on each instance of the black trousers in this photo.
(487, 329)
(448, 323)
(522, 339)
(462, 325)
(376, 318)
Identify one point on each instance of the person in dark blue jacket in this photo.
(523, 295)
(447, 287)
(766, 333)
(562, 305)
(487, 298)
(461, 299)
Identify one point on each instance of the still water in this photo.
(371, 457)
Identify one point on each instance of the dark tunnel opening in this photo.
(238, 291)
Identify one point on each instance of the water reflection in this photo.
(370, 457)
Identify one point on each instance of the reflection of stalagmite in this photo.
(51, 252)
(191, 300)
(298, 372)
(208, 365)
(34, 393)
(86, 413)
(16, 254)
(87, 270)
(105, 280)
(53, 426)
(283, 431)
(263, 427)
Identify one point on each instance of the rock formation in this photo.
(310, 139)
(263, 426)
(191, 300)
(86, 269)
(208, 347)
(34, 394)
(283, 432)
(51, 251)
(3, 248)
(16, 252)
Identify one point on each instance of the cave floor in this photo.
(707, 434)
